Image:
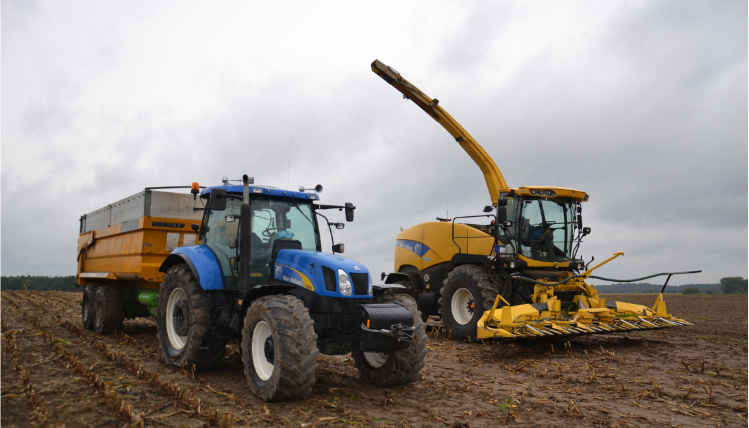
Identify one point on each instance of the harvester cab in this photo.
(520, 276)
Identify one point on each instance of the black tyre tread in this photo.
(296, 348)
(488, 284)
(87, 307)
(192, 354)
(403, 366)
(109, 309)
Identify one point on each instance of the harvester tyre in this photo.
(183, 320)
(469, 291)
(109, 309)
(396, 367)
(279, 348)
(88, 312)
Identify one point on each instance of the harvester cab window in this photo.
(546, 229)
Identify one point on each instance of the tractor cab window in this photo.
(545, 227)
(223, 228)
(277, 219)
(272, 220)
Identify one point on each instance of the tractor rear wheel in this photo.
(109, 309)
(87, 307)
(395, 367)
(182, 321)
(279, 348)
(469, 291)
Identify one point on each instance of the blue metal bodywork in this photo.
(302, 268)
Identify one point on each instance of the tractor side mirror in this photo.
(217, 200)
(349, 208)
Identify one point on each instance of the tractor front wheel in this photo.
(279, 348)
(183, 318)
(469, 291)
(395, 367)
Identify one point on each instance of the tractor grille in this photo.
(361, 283)
(330, 279)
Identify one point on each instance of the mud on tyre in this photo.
(183, 319)
(395, 367)
(279, 348)
(468, 292)
(87, 306)
(109, 309)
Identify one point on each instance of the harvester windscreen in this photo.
(545, 227)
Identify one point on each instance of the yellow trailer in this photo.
(121, 247)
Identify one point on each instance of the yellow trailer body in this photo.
(125, 242)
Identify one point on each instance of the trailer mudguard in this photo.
(202, 262)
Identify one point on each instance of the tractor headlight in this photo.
(344, 283)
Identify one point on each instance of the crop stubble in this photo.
(55, 373)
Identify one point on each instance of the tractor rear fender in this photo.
(202, 263)
(401, 277)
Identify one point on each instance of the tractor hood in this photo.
(322, 273)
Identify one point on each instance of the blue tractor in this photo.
(259, 275)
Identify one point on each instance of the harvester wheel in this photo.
(395, 367)
(279, 348)
(109, 309)
(183, 317)
(87, 307)
(469, 291)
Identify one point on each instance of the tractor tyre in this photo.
(279, 348)
(411, 292)
(468, 292)
(183, 320)
(88, 313)
(395, 367)
(109, 309)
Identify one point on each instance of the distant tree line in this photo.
(728, 285)
(41, 283)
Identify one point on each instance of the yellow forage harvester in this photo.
(512, 272)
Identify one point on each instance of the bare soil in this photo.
(55, 373)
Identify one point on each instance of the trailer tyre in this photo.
(183, 320)
(87, 307)
(279, 348)
(469, 291)
(109, 309)
(395, 367)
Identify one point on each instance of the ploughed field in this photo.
(55, 373)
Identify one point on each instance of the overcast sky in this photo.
(642, 104)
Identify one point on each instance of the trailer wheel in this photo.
(279, 348)
(183, 319)
(395, 367)
(109, 309)
(469, 291)
(87, 307)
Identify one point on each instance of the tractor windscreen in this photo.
(545, 228)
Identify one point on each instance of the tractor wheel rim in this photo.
(376, 359)
(462, 306)
(175, 317)
(263, 350)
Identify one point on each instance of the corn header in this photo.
(512, 272)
